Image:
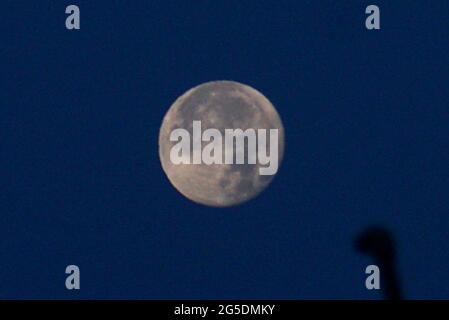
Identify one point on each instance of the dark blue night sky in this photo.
(366, 115)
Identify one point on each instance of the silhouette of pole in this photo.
(379, 244)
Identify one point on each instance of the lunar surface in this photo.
(220, 105)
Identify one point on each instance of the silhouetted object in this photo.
(378, 243)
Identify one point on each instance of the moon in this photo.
(220, 105)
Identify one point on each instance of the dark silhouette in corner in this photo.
(378, 242)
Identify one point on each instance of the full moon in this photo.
(219, 105)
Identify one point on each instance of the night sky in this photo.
(366, 116)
